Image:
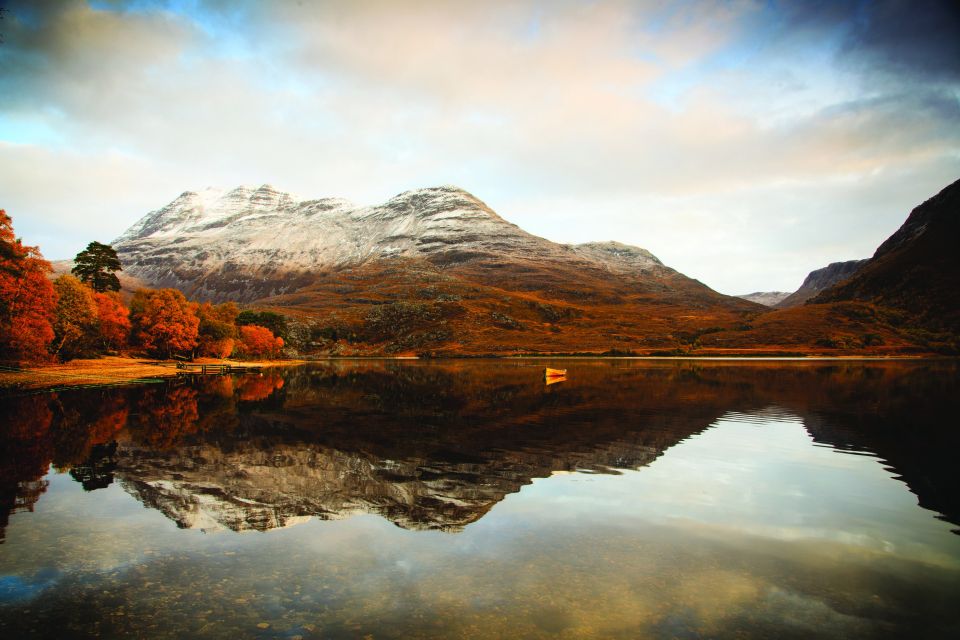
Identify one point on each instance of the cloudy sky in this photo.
(745, 143)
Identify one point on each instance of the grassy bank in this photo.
(106, 371)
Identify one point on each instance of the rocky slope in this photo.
(917, 269)
(766, 298)
(905, 299)
(819, 280)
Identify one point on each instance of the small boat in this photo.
(554, 373)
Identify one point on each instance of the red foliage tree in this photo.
(258, 342)
(26, 298)
(165, 323)
(114, 320)
(75, 320)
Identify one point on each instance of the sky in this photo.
(745, 143)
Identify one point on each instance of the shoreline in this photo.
(121, 370)
(108, 371)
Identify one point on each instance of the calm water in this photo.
(468, 499)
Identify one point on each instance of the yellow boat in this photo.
(554, 373)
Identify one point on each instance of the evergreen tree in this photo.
(96, 264)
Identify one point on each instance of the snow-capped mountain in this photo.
(248, 243)
(429, 271)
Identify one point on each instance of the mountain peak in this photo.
(942, 212)
(611, 251)
(445, 201)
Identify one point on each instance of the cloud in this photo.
(623, 116)
(908, 41)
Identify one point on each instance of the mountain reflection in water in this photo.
(437, 445)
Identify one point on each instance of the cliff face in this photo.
(917, 269)
(819, 280)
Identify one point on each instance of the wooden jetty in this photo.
(216, 369)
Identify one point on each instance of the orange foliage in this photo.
(259, 342)
(221, 348)
(114, 320)
(26, 298)
(165, 322)
(218, 330)
(75, 320)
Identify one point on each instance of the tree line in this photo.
(83, 314)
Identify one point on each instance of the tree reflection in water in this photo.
(436, 445)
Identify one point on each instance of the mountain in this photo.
(432, 268)
(819, 280)
(917, 269)
(903, 300)
(247, 244)
(766, 298)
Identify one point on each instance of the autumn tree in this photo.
(164, 322)
(96, 265)
(26, 298)
(258, 342)
(114, 319)
(218, 329)
(75, 325)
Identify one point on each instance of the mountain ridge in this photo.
(917, 269)
(432, 268)
(436, 271)
(414, 223)
(819, 280)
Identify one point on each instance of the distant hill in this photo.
(818, 280)
(766, 298)
(917, 269)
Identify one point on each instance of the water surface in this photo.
(468, 499)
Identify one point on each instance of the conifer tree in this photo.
(95, 266)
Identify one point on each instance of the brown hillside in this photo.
(416, 306)
(917, 269)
